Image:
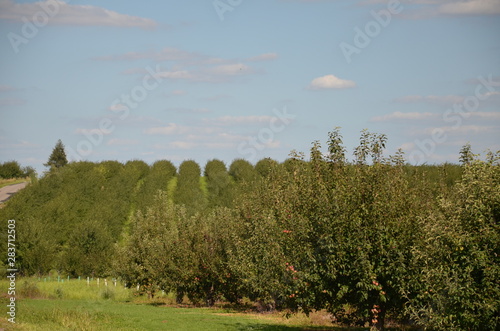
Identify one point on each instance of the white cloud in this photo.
(422, 9)
(330, 82)
(426, 115)
(486, 115)
(93, 131)
(222, 140)
(273, 144)
(192, 66)
(404, 116)
(7, 143)
(166, 54)
(239, 120)
(208, 145)
(444, 99)
(409, 99)
(175, 129)
(263, 57)
(470, 7)
(214, 97)
(405, 147)
(66, 14)
(464, 129)
(489, 94)
(6, 88)
(118, 107)
(178, 92)
(214, 134)
(217, 74)
(170, 129)
(122, 142)
(183, 110)
(184, 57)
(179, 74)
(309, 1)
(182, 145)
(434, 99)
(11, 102)
(229, 69)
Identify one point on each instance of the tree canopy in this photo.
(57, 158)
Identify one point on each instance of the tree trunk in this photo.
(381, 318)
(179, 298)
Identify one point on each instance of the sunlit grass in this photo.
(58, 304)
(73, 289)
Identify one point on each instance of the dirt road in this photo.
(8, 191)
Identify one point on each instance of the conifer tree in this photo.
(58, 157)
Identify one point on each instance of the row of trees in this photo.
(369, 239)
(12, 169)
(74, 217)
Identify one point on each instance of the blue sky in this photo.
(229, 79)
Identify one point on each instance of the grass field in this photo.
(44, 304)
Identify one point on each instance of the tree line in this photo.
(12, 169)
(370, 239)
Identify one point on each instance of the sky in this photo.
(228, 79)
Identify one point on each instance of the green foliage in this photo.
(146, 259)
(460, 260)
(90, 252)
(172, 251)
(55, 213)
(335, 148)
(466, 155)
(29, 289)
(156, 180)
(12, 169)
(108, 294)
(188, 191)
(264, 167)
(36, 246)
(219, 184)
(57, 158)
(242, 171)
(371, 144)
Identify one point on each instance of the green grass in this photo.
(73, 305)
(110, 315)
(203, 185)
(172, 184)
